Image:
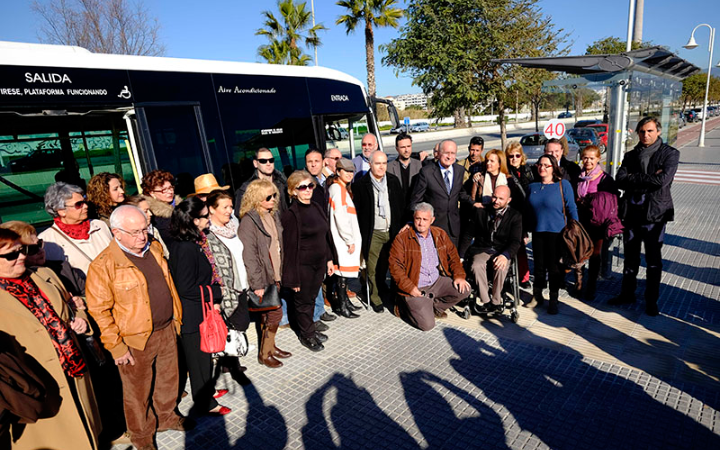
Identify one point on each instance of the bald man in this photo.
(498, 237)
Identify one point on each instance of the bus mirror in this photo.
(392, 111)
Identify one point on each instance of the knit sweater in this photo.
(546, 204)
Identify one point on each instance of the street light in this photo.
(691, 45)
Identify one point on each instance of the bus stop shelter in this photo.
(639, 83)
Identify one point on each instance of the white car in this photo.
(533, 145)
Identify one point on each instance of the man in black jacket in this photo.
(498, 237)
(380, 205)
(646, 176)
(264, 163)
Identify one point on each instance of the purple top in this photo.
(429, 264)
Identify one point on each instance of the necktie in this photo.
(448, 184)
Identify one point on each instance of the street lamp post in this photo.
(691, 45)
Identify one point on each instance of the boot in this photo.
(652, 290)
(344, 307)
(553, 304)
(281, 353)
(593, 273)
(267, 345)
(579, 284)
(538, 297)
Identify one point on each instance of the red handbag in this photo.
(213, 331)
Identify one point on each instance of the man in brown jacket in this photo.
(426, 269)
(132, 297)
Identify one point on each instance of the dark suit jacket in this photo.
(364, 199)
(430, 188)
(394, 168)
(506, 240)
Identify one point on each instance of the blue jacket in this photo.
(547, 206)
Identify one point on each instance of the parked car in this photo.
(680, 119)
(38, 159)
(565, 115)
(690, 116)
(533, 145)
(420, 127)
(398, 130)
(584, 123)
(573, 149)
(713, 111)
(585, 137)
(602, 131)
(698, 113)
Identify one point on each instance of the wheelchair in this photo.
(510, 295)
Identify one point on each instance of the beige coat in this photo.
(64, 430)
(80, 255)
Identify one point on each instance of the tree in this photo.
(101, 26)
(449, 47)
(374, 13)
(613, 46)
(285, 35)
(693, 89)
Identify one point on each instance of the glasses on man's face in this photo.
(76, 205)
(515, 156)
(270, 197)
(135, 234)
(165, 189)
(265, 160)
(15, 254)
(305, 187)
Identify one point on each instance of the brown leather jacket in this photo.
(406, 258)
(118, 300)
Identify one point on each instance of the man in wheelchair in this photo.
(426, 268)
(497, 234)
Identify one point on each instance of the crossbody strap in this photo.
(64, 236)
(562, 195)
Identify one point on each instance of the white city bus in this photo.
(67, 113)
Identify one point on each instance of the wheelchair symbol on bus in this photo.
(125, 93)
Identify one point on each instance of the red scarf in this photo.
(27, 292)
(80, 231)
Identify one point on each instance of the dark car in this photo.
(38, 159)
(586, 136)
(691, 116)
(602, 130)
(584, 123)
(565, 115)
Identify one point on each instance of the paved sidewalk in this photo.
(591, 377)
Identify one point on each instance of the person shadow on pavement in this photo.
(568, 403)
(341, 414)
(437, 419)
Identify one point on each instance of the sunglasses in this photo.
(204, 216)
(12, 256)
(514, 156)
(34, 249)
(270, 197)
(265, 160)
(77, 205)
(305, 187)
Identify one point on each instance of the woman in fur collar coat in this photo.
(159, 188)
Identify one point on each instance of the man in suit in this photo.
(380, 206)
(441, 185)
(404, 167)
(498, 237)
(362, 161)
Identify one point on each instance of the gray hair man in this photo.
(330, 160)
(427, 270)
(362, 161)
(132, 297)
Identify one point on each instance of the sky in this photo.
(225, 30)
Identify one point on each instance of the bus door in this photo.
(171, 137)
(343, 132)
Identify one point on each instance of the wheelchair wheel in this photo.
(514, 316)
(466, 312)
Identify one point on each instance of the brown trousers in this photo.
(479, 268)
(150, 387)
(440, 296)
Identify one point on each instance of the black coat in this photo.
(292, 257)
(364, 199)
(506, 240)
(191, 269)
(654, 185)
(430, 188)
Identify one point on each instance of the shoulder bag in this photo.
(213, 331)
(578, 246)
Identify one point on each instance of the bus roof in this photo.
(45, 55)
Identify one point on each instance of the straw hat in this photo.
(206, 183)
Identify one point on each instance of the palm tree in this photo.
(286, 36)
(379, 13)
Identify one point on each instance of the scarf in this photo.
(382, 201)
(488, 187)
(203, 243)
(27, 292)
(646, 153)
(80, 231)
(589, 181)
(228, 231)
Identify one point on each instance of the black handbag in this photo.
(269, 301)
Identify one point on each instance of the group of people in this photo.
(134, 271)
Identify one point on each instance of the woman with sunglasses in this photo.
(105, 191)
(262, 236)
(196, 275)
(345, 234)
(227, 249)
(73, 237)
(307, 257)
(518, 168)
(549, 204)
(36, 310)
(158, 186)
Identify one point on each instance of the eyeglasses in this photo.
(337, 158)
(515, 156)
(34, 249)
(14, 255)
(204, 216)
(270, 197)
(137, 233)
(545, 166)
(77, 205)
(265, 160)
(165, 190)
(305, 187)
